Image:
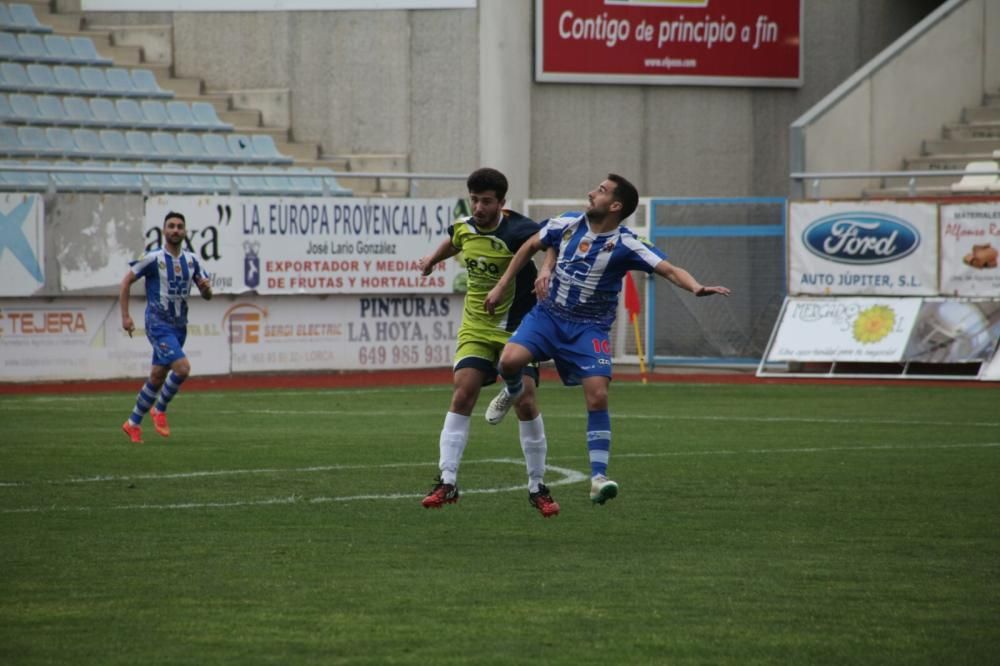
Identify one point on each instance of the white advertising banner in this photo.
(844, 329)
(81, 338)
(22, 244)
(970, 245)
(859, 248)
(313, 245)
(266, 5)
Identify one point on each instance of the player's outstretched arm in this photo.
(520, 260)
(443, 251)
(685, 280)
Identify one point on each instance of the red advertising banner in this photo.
(679, 42)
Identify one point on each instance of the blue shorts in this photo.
(167, 341)
(579, 349)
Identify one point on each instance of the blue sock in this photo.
(599, 441)
(515, 383)
(169, 390)
(143, 402)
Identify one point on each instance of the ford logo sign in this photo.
(861, 238)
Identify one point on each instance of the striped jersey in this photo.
(485, 257)
(168, 284)
(588, 275)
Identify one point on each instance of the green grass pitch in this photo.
(756, 524)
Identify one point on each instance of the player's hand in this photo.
(205, 287)
(128, 325)
(709, 291)
(425, 265)
(542, 285)
(492, 299)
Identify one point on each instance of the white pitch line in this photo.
(569, 476)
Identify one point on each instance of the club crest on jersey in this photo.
(609, 246)
(584, 247)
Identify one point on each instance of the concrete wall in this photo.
(452, 89)
(905, 96)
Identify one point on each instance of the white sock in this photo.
(534, 446)
(454, 437)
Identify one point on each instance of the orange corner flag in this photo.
(634, 306)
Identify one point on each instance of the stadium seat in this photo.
(79, 111)
(101, 180)
(6, 20)
(180, 116)
(218, 148)
(250, 184)
(55, 48)
(115, 145)
(266, 151)
(9, 142)
(191, 147)
(329, 183)
(70, 181)
(52, 111)
(7, 114)
(144, 82)
(166, 146)
(979, 176)
(157, 182)
(61, 142)
(10, 49)
(120, 82)
(23, 18)
(83, 50)
(206, 116)
(155, 114)
(34, 49)
(32, 141)
(13, 77)
(207, 182)
(130, 113)
(105, 112)
(141, 145)
(241, 147)
(88, 142)
(305, 181)
(95, 81)
(14, 177)
(25, 109)
(67, 80)
(126, 182)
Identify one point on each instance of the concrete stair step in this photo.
(60, 23)
(220, 102)
(980, 130)
(374, 162)
(982, 114)
(277, 133)
(950, 162)
(123, 56)
(155, 41)
(188, 87)
(338, 165)
(241, 117)
(303, 152)
(960, 146)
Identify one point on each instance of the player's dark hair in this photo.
(625, 194)
(174, 214)
(482, 180)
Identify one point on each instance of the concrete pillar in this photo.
(505, 78)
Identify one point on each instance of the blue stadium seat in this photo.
(207, 182)
(218, 148)
(207, 118)
(120, 82)
(32, 141)
(329, 182)
(100, 180)
(141, 145)
(105, 112)
(7, 114)
(10, 49)
(180, 116)
(84, 50)
(14, 177)
(23, 18)
(52, 111)
(33, 48)
(88, 142)
(115, 145)
(61, 142)
(79, 111)
(9, 142)
(157, 181)
(126, 182)
(130, 113)
(241, 147)
(282, 185)
(265, 150)
(155, 113)
(166, 146)
(144, 81)
(95, 81)
(249, 184)
(13, 77)
(191, 147)
(56, 48)
(25, 109)
(305, 181)
(67, 79)
(70, 181)
(6, 20)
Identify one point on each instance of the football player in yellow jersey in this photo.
(488, 241)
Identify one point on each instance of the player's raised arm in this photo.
(520, 260)
(685, 280)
